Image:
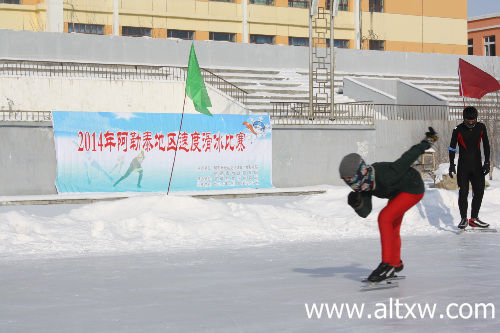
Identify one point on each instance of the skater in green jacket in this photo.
(396, 181)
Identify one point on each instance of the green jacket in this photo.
(392, 178)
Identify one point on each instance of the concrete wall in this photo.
(390, 91)
(27, 159)
(389, 86)
(55, 22)
(360, 91)
(69, 94)
(408, 94)
(113, 49)
(311, 155)
(302, 155)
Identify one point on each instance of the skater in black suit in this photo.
(469, 136)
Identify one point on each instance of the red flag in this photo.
(474, 82)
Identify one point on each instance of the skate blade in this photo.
(472, 229)
(379, 285)
(394, 278)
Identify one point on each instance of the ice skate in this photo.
(382, 272)
(477, 223)
(381, 278)
(463, 223)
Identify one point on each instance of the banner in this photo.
(122, 152)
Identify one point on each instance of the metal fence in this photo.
(410, 112)
(292, 113)
(297, 113)
(225, 86)
(114, 72)
(16, 115)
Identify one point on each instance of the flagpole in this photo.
(177, 143)
(461, 88)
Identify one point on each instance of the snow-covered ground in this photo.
(180, 264)
(169, 223)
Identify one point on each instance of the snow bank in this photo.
(159, 223)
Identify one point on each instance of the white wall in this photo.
(72, 94)
(29, 45)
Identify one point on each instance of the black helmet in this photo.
(470, 113)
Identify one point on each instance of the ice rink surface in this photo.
(266, 264)
(253, 289)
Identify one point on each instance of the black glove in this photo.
(486, 168)
(354, 199)
(431, 136)
(452, 170)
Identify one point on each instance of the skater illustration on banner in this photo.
(135, 165)
(396, 181)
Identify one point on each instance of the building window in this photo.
(343, 5)
(298, 41)
(470, 46)
(261, 39)
(181, 34)
(93, 29)
(298, 3)
(136, 31)
(339, 43)
(222, 36)
(377, 45)
(14, 2)
(377, 6)
(489, 46)
(262, 2)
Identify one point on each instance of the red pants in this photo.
(389, 223)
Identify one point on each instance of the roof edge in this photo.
(482, 17)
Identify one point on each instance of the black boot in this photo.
(477, 223)
(463, 223)
(382, 272)
(399, 268)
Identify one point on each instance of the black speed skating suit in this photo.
(470, 167)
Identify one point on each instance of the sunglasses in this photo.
(353, 180)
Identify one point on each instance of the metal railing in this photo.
(114, 72)
(16, 115)
(292, 113)
(411, 112)
(227, 87)
(297, 113)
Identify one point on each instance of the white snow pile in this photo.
(160, 223)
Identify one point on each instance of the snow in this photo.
(167, 223)
(156, 263)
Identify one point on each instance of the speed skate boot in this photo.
(382, 272)
(399, 267)
(463, 223)
(477, 223)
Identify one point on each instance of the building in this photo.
(483, 32)
(429, 26)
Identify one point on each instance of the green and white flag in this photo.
(195, 86)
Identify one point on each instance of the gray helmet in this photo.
(350, 165)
